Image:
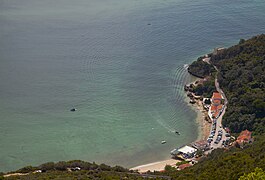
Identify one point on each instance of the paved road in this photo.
(218, 120)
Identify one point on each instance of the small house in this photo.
(244, 138)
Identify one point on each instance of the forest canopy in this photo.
(242, 78)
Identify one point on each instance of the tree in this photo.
(258, 174)
(242, 41)
(169, 168)
(47, 166)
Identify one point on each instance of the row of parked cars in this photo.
(219, 137)
(210, 139)
(226, 142)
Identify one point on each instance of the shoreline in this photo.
(204, 128)
(155, 166)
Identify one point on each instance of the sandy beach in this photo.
(204, 126)
(156, 166)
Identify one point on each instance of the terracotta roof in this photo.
(216, 95)
(183, 166)
(216, 101)
(219, 107)
(213, 108)
(244, 136)
(216, 114)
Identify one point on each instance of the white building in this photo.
(186, 152)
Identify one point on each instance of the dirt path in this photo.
(16, 174)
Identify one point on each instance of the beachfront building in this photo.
(216, 98)
(201, 145)
(216, 106)
(244, 138)
(216, 110)
(185, 152)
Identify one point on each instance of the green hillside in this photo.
(242, 78)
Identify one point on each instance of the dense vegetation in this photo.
(242, 78)
(200, 68)
(62, 170)
(257, 174)
(64, 175)
(206, 89)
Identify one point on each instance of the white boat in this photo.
(163, 142)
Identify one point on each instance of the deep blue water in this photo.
(120, 63)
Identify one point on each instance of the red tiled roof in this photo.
(219, 107)
(216, 101)
(244, 136)
(213, 108)
(216, 114)
(183, 166)
(216, 95)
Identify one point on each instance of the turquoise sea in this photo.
(119, 62)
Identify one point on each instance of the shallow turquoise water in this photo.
(125, 77)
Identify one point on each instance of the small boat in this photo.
(73, 109)
(177, 132)
(163, 142)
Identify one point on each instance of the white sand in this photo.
(156, 166)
